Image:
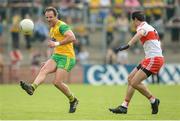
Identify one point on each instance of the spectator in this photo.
(170, 8)
(82, 34)
(122, 57)
(117, 7)
(64, 8)
(94, 12)
(38, 7)
(3, 3)
(110, 56)
(83, 56)
(131, 5)
(77, 47)
(40, 30)
(104, 9)
(122, 25)
(158, 7)
(158, 23)
(177, 8)
(15, 31)
(155, 78)
(81, 31)
(16, 57)
(174, 24)
(148, 4)
(77, 10)
(110, 25)
(28, 38)
(35, 62)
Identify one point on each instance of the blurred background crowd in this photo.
(99, 25)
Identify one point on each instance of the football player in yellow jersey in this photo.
(62, 59)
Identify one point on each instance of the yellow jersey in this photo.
(15, 24)
(57, 34)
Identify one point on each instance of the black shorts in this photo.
(147, 72)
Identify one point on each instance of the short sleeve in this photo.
(63, 28)
(142, 31)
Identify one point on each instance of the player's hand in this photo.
(51, 44)
(123, 47)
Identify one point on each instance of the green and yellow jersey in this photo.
(57, 34)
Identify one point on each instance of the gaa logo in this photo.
(118, 74)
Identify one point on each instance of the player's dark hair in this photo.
(139, 15)
(54, 10)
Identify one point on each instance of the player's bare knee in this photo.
(57, 82)
(43, 70)
(129, 80)
(133, 84)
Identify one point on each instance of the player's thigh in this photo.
(49, 66)
(131, 75)
(138, 77)
(61, 75)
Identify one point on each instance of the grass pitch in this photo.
(48, 103)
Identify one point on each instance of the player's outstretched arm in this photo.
(134, 39)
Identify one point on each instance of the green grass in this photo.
(94, 101)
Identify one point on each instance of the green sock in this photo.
(71, 98)
(34, 86)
